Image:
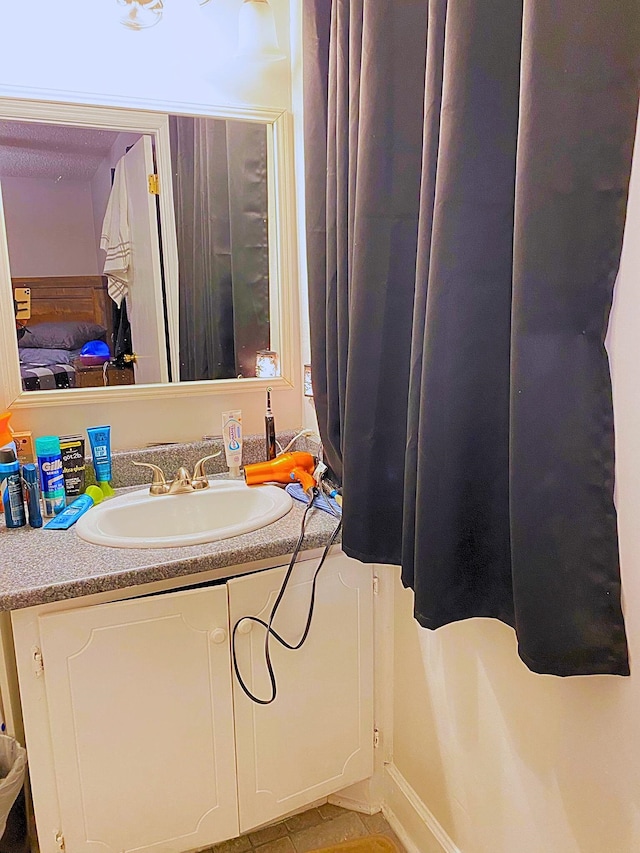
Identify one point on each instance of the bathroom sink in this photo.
(140, 520)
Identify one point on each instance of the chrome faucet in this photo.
(183, 482)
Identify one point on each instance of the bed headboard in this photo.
(73, 298)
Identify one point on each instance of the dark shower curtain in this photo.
(220, 200)
(467, 175)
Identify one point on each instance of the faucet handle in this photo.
(199, 479)
(158, 483)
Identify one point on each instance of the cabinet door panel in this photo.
(139, 697)
(317, 736)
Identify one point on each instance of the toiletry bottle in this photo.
(51, 479)
(6, 434)
(70, 514)
(30, 479)
(11, 488)
(100, 443)
(73, 467)
(6, 440)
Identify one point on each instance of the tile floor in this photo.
(308, 831)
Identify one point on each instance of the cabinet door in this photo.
(317, 736)
(139, 696)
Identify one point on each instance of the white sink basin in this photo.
(140, 520)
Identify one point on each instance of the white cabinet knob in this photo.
(219, 635)
(245, 626)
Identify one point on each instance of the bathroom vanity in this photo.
(138, 734)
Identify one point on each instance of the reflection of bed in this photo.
(37, 378)
(60, 299)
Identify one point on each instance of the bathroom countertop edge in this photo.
(44, 566)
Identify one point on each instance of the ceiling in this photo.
(34, 150)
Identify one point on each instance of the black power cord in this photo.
(269, 631)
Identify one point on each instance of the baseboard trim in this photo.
(411, 820)
(353, 804)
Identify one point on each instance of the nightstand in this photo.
(92, 375)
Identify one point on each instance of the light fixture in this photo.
(257, 35)
(267, 364)
(141, 14)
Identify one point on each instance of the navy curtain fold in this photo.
(221, 206)
(467, 176)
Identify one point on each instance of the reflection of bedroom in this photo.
(56, 183)
(72, 192)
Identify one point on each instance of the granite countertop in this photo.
(41, 566)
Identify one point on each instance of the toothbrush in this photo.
(270, 429)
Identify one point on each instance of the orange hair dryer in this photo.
(286, 468)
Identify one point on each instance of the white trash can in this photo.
(13, 763)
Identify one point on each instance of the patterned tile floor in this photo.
(308, 831)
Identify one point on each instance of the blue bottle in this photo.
(30, 477)
(11, 488)
(51, 477)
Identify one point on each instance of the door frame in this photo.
(155, 125)
(138, 163)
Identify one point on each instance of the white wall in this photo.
(49, 227)
(309, 419)
(512, 762)
(78, 52)
(188, 58)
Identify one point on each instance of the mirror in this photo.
(141, 248)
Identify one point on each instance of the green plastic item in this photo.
(95, 493)
(107, 489)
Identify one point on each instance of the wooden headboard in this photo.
(72, 298)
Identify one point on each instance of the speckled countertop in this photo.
(41, 566)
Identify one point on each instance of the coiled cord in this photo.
(269, 631)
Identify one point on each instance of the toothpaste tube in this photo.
(72, 513)
(100, 441)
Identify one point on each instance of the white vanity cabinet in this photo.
(317, 736)
(139, 737)
(140, 715)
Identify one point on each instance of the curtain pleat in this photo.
(467, 170)
(380, 299)
(578, 108)
(247, 168)
(459, 487)
(220, 199)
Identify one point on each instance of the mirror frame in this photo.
(283, 267)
